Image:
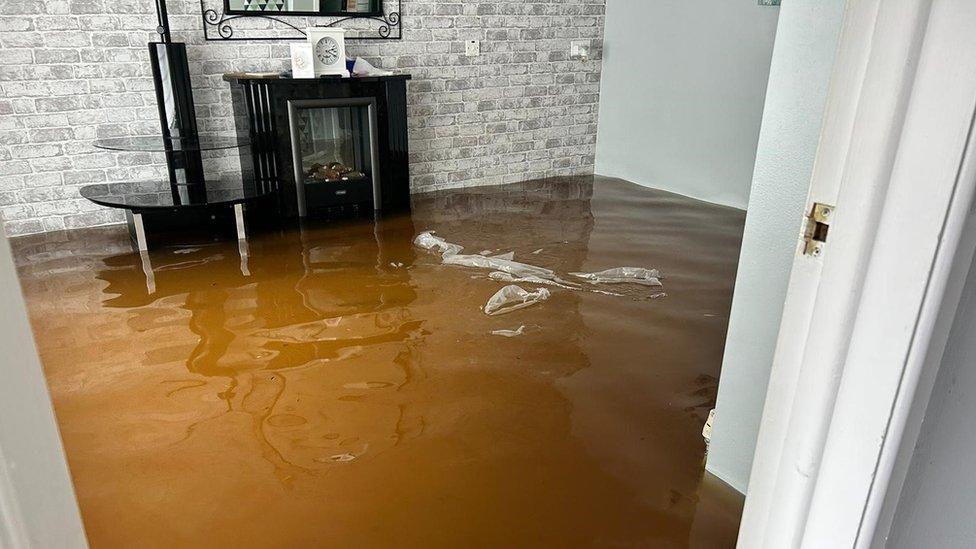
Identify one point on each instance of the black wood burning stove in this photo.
(329, 146)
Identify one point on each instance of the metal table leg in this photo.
(242, 246)
(140, 232)
(239, 217)
(147, 269)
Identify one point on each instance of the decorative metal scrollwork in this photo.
(217, 25)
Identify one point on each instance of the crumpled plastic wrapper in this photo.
(363, 67)
(499, 263)
(429, 241)
(623, 275)
(509, 333)
(512, 298)
(505, 269)
(506, 277)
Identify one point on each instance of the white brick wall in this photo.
(75, 70)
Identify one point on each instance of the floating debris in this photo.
(428, 241)
(509, 333)
(506, 269)
(506, 277)
(513, 268)
(343, 458)
(623, 275)
(450, 254)
(512, 298)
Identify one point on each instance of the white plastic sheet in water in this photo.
(509, 333)
(506, 269)
(428, 241)
(496, 263)
(506, 277)
(621, 275)
(451, 255)
(512, 298)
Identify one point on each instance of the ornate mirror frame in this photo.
(376, 13)
(221, 24)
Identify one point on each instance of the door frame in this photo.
(863, 324)
(37, 499)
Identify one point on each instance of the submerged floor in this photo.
(333, 397)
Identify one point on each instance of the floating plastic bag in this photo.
(509, 333)
(513, 268)
(620, 275)
(511, 271)
(512, 298)
(428, 241)
(505, 277)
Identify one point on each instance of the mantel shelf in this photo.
(237, 77)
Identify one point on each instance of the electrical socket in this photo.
(580, 49)
(472, 48)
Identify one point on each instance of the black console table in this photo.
(158, 207)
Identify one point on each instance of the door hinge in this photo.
(818, 225)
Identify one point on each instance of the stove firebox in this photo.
(335, 153)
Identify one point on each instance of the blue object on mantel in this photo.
(350, 63)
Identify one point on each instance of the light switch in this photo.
(472, 48)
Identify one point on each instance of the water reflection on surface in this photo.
(343, 387)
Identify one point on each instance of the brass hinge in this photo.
(818, 225)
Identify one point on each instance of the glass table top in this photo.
(156, 143)
(162, 195)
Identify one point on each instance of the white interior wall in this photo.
(37, 500)
(802, 61)
(682, 94)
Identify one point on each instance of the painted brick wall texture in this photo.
(72, 71)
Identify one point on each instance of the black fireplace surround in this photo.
(354, 124)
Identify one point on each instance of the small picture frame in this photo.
(302, 60)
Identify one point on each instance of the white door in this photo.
(859, 316)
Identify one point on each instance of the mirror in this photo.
(347, 8)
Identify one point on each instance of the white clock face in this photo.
(327, 51)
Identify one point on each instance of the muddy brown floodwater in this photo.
(324, 395)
